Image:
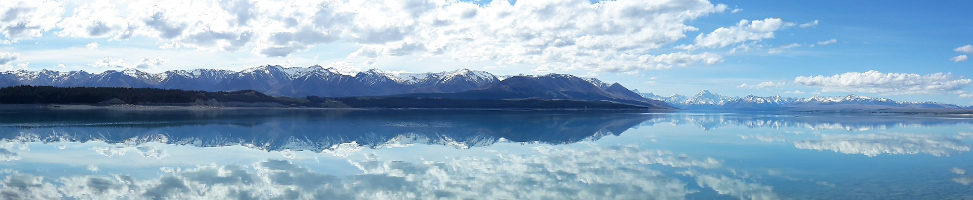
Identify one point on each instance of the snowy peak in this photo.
(596, 82)
(708, 98)
(711, 101)
(270, 79)
(476, 77)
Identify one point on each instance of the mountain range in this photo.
(328, 82)
(706, 100)
(461, 84)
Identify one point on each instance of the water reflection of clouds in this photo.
(961, 176)
(887, 143)
(736, 187)
(817, 122)
(436, 156)
(533, 171)
(7, 155)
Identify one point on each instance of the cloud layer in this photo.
(886, 83)
(564, 35)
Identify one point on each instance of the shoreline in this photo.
(133, 107)
(201, 108)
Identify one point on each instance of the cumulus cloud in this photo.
(25, 19)
(967, 49)
(959, 58)
(564, 35)
(7, 57)
(744, 31)
(886, 83)
(887, 143)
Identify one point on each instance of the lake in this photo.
(368, 154)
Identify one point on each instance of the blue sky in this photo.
(904, 50)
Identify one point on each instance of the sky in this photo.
(903, 50)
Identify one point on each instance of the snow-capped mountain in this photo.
(706, 97)
(706, 100)
(553, 86)
(270, 79)
(329, 82)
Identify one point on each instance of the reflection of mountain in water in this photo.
(320, 129)
(316, 129)
(824, 121)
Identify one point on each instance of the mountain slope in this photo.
(552, 87)
(328, 82)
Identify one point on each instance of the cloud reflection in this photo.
(886, 143)
(540, 172)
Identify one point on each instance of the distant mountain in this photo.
(270, 79)
(553, 86)
(706, 100)
(328, 82)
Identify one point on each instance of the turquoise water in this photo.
(321, 154)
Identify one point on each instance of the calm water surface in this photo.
(288, 154)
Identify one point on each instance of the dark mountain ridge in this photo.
(330, 83)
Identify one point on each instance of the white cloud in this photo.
(151, 62)
(7, 57)
(743, 31)
(959, 58)
(781, 49)
(560, 35)
(770, 84)
(964, 94)
(25, 19)
(736, 10)
(114, 63)
(967, 49)
(110, 63)
(762, 85)
(809, 24)
(827, 42)
(886, 83)
(92, 45)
